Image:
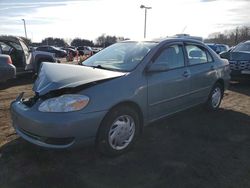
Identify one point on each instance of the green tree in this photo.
(81, 42)
(54, 42)
(231, 37)
(107, 40)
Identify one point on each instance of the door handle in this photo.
(186, 74)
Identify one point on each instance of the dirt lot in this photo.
(191, 149)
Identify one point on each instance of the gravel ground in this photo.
(190, 149)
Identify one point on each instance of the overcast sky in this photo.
(91, 18)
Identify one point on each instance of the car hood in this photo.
(54, 76)
(239, 56)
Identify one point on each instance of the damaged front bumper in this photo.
(54, 130)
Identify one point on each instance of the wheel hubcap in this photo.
(121, 132)
(216, 97)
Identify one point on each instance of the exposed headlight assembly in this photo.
(64, 103)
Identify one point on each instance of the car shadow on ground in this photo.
(240, 87)
(18, 81)
(189, 149)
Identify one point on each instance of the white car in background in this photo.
(85, 50)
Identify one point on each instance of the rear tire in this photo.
(215, 97)
(119, 131)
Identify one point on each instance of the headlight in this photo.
(64, 103)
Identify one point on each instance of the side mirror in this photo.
(157, 67)
(224, 55)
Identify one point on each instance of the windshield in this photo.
(120, 56)
(242, 47)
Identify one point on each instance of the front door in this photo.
(167, 90)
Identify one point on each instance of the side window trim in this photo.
(209, 54)
(201, 47)
(165, 46)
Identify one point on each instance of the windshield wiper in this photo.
(95, 66)
(102, 67)
(99, 67)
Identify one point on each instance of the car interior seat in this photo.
(195, 57)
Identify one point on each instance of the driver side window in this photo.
(172, 57)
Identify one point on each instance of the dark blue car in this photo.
(218, 48)
(239, 60)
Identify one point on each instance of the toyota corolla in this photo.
(115, 93)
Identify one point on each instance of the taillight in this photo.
(9, 61)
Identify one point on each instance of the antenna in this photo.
(184, 28)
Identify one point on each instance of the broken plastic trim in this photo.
(30, 101)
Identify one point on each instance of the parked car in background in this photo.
(68, 50)
(218, 48)
(59, 53)
(239, 60)
(85, 50)
(7, 69)
(117, 91)
(23, 58)
(96, 50)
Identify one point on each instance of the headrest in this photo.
(195, 53)
(171, 50)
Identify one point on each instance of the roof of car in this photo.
(173, 39)
(5, 38)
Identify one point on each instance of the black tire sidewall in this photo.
(103, 133)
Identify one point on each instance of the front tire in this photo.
(118, 131)
(215, 97)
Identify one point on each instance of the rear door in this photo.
(167, 90)
(203, 71)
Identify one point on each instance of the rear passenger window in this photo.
(197, 55)
(172, 57)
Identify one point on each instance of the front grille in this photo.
(239, 65)
(48, 140)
